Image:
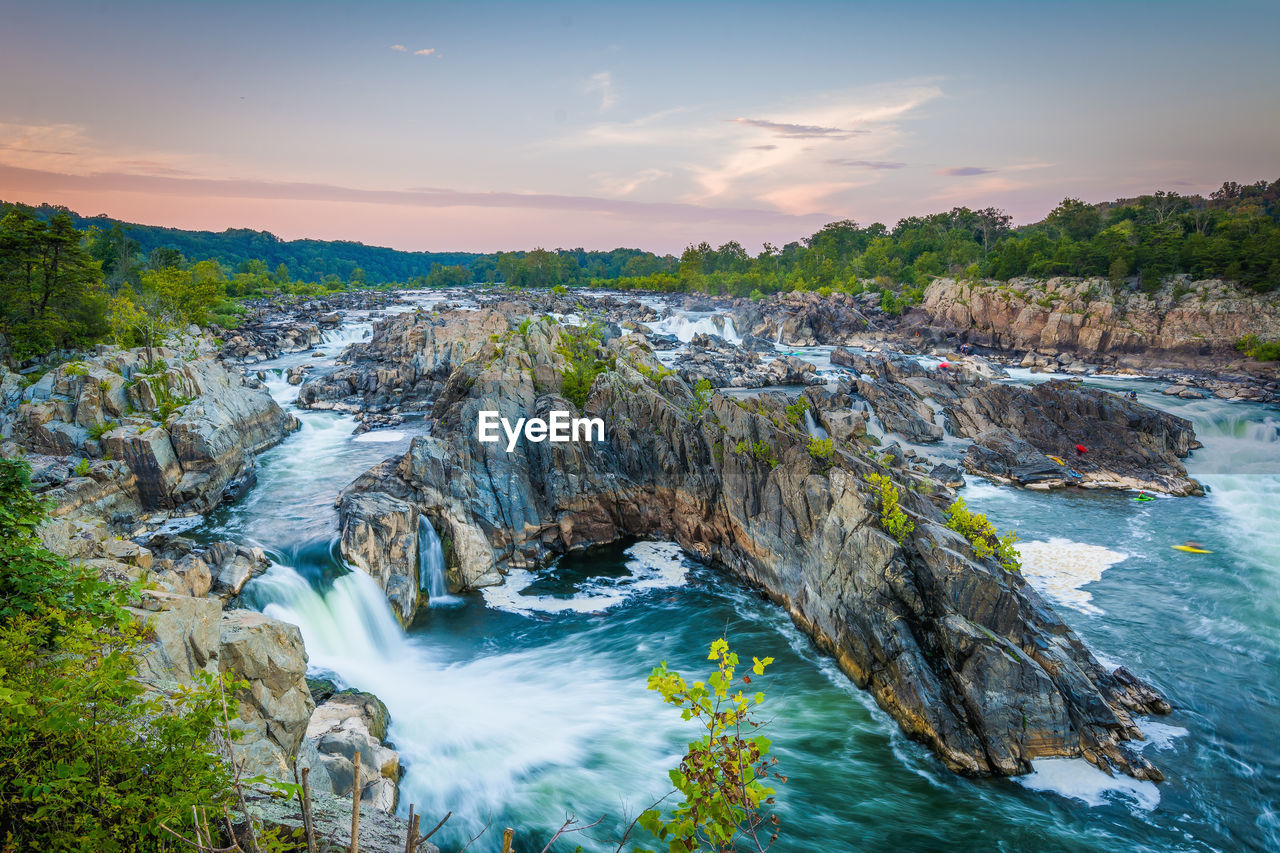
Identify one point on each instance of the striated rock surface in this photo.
(1018, 429)
(177, 433)
(404, 363)
(1196, 323)
(380, 832)
(380, 537)
(964, 655)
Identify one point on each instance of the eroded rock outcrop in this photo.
(403, 365)
(964, 655)
(1029, 435)
(176, 431)
(1195, 322)
(343, 725)
(380, 537)
(276, 708)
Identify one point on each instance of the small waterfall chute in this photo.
(815, 431)
(431, 563)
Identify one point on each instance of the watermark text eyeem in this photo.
(559, 426)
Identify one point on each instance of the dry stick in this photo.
(478, 834)
(565, 830)
(436, 829)
(409, 845)
(355, 806)
(231, 751)
(234, 848)
(507, 835)
(308, 826)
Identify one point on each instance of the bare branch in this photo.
(565, 829)
(436, 829)
(478, 834)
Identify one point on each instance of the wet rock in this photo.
(380, 537)
(1001, 455)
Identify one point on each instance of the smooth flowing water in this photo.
(527, 702)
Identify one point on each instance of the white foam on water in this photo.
(652, 565)
(1059, 568)
(1159, 735)
(1079, 780)
(381, 436)
(684, 327)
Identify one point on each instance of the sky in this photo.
(483, 126)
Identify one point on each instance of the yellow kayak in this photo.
(1058, 460)
(1191, 550)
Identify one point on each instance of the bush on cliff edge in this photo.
(88, 761)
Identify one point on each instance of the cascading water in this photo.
(431, 562)
(812, 427)
(684, 327)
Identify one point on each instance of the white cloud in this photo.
(426, 51)
(399, 47)
(615, 185)
(602, 82)
(788, 157)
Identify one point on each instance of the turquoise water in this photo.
(520, 708)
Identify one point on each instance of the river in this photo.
(522, 704)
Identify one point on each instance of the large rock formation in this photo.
(404, 363)
(1029, 435)
(174, 432)
(345, 724)
(380, 537)
(1196, 323)
(963, 654)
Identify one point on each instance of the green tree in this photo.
(50, 287)
(723, 777)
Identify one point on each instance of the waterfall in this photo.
(684, 328)
(430, 561)
(348, 623)
(731, 332)
(777, 339)
(811, 425)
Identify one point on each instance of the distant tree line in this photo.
(1233, 234)
(68, 281)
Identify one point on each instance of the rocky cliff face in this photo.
(964, 655)
(175, 434)
(404, 363)
(1192, 323)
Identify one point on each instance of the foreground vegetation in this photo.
(88, 759)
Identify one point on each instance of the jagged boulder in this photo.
(185, 637)
(276, 708)
(404, 363)
(343, 725)
(181, 427)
